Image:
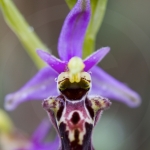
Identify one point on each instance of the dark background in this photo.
(126, 29)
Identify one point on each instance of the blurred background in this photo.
(126, 29)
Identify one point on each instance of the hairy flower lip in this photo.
(61, 111)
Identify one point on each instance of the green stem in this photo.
(98, 11)
(25, 33)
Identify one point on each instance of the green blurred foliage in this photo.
(71, 3)
(25, 33)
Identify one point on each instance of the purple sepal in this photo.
(107, 86)
(95, 58)
(40, 86)
(73, 31)
(53, 145)
(38, 138)
(55, 63)
(41, 130)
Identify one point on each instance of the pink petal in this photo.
(55, 63)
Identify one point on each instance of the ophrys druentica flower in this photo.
(75, 101)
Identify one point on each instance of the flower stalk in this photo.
(23, 30)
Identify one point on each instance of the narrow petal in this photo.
(39, 87)
(73, 31)
(107, 86)
(55, 63)
(95, 57)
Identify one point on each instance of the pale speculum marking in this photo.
(75, 118)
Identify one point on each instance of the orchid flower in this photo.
(76, 97)
(70, 44)
(19, 141)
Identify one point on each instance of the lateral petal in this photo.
(95, 58)
(55, 63)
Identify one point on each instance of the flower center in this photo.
(74, 84)
(74, 90)
(75, 66)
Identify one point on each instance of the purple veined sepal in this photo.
(73, 31)
(75, 120)
(107, 86)
(40, 86)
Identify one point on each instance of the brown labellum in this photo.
(74, 114)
